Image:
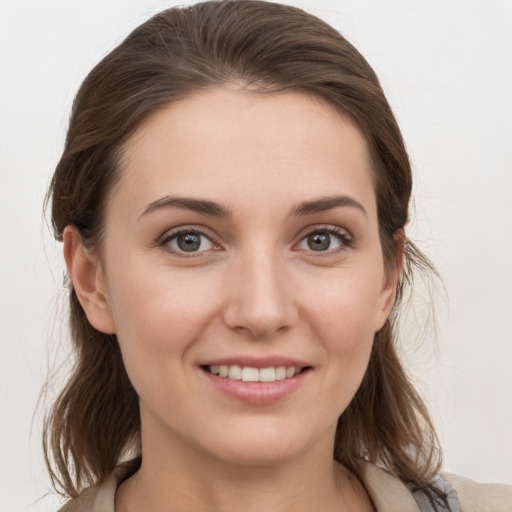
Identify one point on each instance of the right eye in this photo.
(188, 241)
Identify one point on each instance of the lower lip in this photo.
(257, 393)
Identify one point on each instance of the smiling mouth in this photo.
(250, 374)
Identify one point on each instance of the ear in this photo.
(87, 277)
(392, 276)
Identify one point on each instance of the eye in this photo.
(325, 240)
(188, 241)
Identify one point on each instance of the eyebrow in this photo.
(210, 208)
(202, 206)
(327, 203)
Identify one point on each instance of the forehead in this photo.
(244, 145)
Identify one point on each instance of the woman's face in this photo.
(242, 238)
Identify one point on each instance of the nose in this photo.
(261, 301)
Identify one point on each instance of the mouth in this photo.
(252, 374)
(257, 381)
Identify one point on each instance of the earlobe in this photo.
(86, 274)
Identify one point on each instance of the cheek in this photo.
(342, 325)
(150, 300)
(344, 319)
(157, 319)
(350, 307)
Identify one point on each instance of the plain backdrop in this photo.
(446, 68)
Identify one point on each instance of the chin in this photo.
(263, 446)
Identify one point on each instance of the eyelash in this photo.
(172, 235)
(346, 241)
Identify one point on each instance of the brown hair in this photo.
(268, 48)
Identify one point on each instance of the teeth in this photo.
(281, 373)
(267, 374)
(249, 374)
(235, 372)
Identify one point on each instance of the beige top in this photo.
(388, 493)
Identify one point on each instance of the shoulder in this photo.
(101, 497)
(390, 494)
(87, 501)
(476, 497)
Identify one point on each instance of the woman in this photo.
(232, 200)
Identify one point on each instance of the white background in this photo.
(446, 68)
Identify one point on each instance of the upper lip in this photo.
(256, 362)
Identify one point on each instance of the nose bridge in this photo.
(261, 301)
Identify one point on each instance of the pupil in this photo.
(189, 242)
(319, 241)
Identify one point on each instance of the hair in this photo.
(267, 48)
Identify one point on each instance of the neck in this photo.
(176, 477)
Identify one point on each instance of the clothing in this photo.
(388, 493)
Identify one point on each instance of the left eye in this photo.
(321, 241)
(189, 241)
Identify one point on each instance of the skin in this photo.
(254, 288)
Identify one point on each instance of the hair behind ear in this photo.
(96, 417)
(387, 421)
